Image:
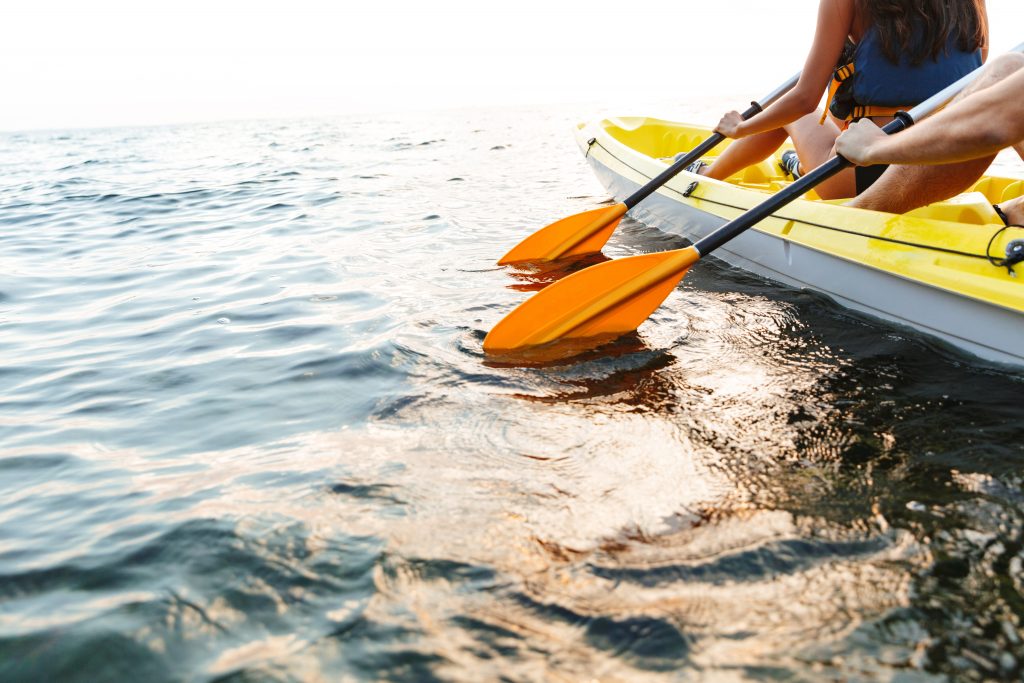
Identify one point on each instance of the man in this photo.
(947, 153)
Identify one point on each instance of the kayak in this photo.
(936, 269)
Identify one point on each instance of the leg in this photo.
(815, 144)
(904, 188)
(745, 152)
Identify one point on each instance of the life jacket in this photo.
(866, 83)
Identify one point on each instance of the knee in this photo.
(872, 200)
(1005, 64)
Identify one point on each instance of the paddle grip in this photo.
(674, 170)
(794, 191)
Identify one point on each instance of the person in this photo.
(946, 153)
(898, 53)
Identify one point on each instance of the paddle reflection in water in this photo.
(535, 276)
(559, 352)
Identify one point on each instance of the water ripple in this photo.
(249, 432)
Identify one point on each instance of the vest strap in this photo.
(860, 112)
(841, 74)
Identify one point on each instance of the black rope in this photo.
(852, 232)
(997, 262)
(827, 227)
(1014, 250)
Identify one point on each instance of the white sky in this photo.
(66, 63)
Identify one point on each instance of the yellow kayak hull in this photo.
(927, 269)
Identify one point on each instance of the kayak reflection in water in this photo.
(880, 56)
(947, 153)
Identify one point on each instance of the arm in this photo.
(835, 20)
(979, 125)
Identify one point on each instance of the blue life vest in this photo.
(878, 82)
(866, 83)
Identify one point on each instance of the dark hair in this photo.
(921, 29)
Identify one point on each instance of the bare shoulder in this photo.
(845, 13)
(844, 7)
(855, 19)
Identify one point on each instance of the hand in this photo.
(1014, 210)
(731, 125)
(859, 143)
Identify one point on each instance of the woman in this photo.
(903, 51)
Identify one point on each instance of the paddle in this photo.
(587, 232)
(610, 299)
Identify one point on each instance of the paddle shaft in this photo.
(705, 147)
(831, 167)
(783, 197)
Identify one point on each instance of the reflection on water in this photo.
(532, 277)
(249, 432)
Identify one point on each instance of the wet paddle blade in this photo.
(582, 233)
(601, 302)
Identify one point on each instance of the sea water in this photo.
(248, 432)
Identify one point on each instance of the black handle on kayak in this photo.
(673, 170)
(705, 147)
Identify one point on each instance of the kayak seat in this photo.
(1012, 191)
(673, 143)
(973, 208)
(999, 189)
(758, 174)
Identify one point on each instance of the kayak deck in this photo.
(946, 244)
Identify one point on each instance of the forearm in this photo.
(835, 19)
(977, 126)
(787, 109)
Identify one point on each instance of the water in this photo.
(248, 433)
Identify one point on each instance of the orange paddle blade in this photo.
(602, 301)
(583, 233)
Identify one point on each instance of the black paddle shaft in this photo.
(794, 191)
(673, 170)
